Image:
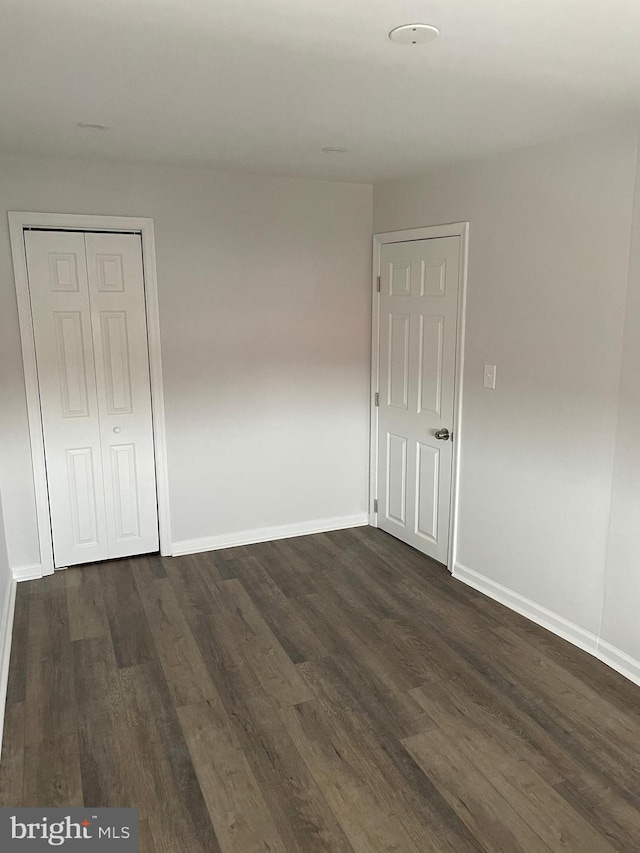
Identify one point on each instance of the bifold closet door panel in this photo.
(66, 376)
(118, 319)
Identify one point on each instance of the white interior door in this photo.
(419, 283)
(88, 308)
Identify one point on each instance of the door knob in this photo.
(116, 429)
(442, 434)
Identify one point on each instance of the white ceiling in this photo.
(263, 85)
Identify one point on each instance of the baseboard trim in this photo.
(27, 573)
(619, 660)
(6, 633)
(526, 607)
(267, 534)
(605, 652)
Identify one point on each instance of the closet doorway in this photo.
(90, 340)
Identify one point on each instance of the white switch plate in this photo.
(489, 376)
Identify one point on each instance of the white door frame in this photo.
(18, 222)
(454, 229)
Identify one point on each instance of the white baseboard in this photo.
(267, 534)
(613, 657)
(618, 660)
(27, 573)
(6, 631)
(526, 607)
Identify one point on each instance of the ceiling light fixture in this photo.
(334, 149)
(414, 34)
(87, 125)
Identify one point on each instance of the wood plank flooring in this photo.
(337, 692)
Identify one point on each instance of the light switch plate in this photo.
(489, 380)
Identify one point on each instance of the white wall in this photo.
(549, 250)
(7, 601)
(264, 309)
(5, 584)
(621, 614)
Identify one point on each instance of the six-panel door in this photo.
(88, 307)
(418, 323)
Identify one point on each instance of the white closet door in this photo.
(66, 377)
(118, 318)
(89, 321)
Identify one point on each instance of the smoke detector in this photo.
(414, 34)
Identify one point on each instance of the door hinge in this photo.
(377, 399)
(378, 284)
(375, 505)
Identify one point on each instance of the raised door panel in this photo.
(63, 272)
(433, 277)
(61, 315)
(398, 361)
(125, 489)
(431, 337)
(396, 479)
(117, 363)
(116, 285)
(399, 279)
(109, 273)
(72, 367)
(82, 496)
(427, 491)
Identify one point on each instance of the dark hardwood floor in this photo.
(337, 692)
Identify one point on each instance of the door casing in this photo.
(454, 229)
(18, 223)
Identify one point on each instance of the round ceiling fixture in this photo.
(87, 125)
(414, 34)
(334, 149)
